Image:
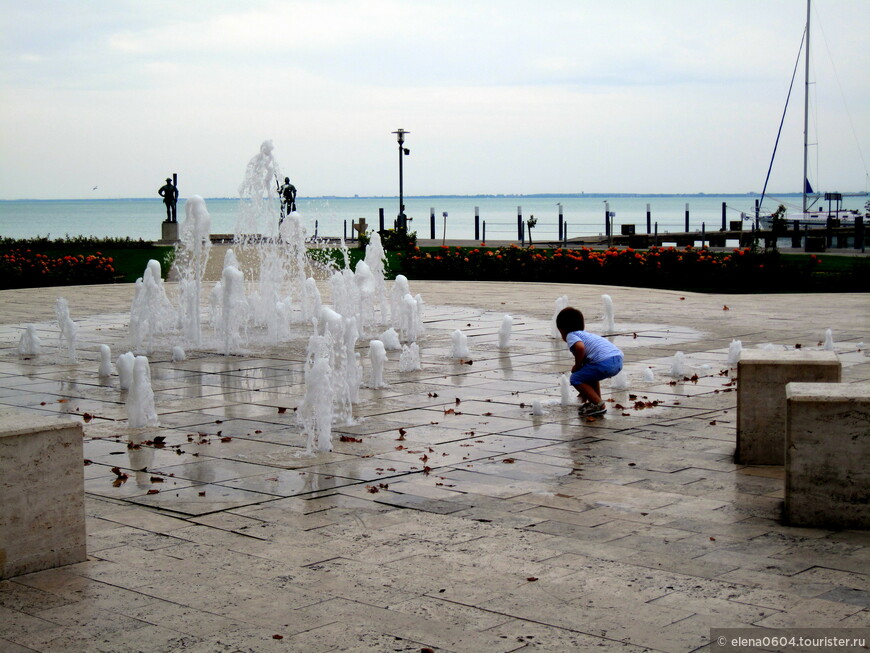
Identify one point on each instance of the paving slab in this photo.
(448, 516)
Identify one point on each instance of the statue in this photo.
(287, 192)
(169, 193)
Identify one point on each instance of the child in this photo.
(595, 358)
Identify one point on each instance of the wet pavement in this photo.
(447, 517)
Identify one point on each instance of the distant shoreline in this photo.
(427, 197)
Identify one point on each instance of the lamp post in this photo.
(402, 222)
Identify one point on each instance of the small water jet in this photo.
(559, 304)
(68, 328)
(377, 356)
(504, 332)
(609, 321)
(734, 350)
(619, 381)
(316, 412)
(537, 408)
(141, 411)
(390, 339)
(105, 369)
(191, 257)
(829, 341)
(566, 390)
(178, 354)
(125, 369)
(648, 375)
(409, 361)
(29, 344)
(151, 313)
(460, 345)
(678, 365)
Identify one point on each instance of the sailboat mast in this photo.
(806, 105)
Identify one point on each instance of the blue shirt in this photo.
(597, 348)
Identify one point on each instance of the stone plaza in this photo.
(448, 517)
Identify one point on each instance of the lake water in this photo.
(583, 215)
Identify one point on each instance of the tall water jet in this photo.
(191, 257)
(336, 339)
(316, 412)
(504, 332)
(105, 369)
(376, 260)
(29, 344)
(234, 310)
(125, 365)
(68, 328)
(377, 357)
(734, 350)
(609, 321)
(559, 304)
(566, 390)
(460, 345)
(151, 313)
(141, 411)
(678, 365)
(409, 361)
(829, 341)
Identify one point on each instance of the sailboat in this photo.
(810, 217)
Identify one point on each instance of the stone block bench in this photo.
(761, 406)
(42, 494)
(827, 476)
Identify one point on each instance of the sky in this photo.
(106, 98)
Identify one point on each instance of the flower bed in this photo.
(742, 270)
(24, 268)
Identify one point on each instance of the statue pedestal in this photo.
(169, 232)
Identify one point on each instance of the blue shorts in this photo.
(592, 372)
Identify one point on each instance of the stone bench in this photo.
(827, 478)
(761, 379)
(42, 511)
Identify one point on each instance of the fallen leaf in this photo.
(156, 479)
(509, 461)
(153, 492)
(725, 308)
(202, 494)
(281, 410)
(531, 579)
(458, 401)
(347, 438)
(226, 439)
(87, 417)
(402, 433)
(277, 636)
(713, 423)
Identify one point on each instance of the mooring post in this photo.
(561, 221)
(381, 219)
(724, 207)
(607, 221)
(432, 222)
(484, 232)
(656, 236)
(477, 223)
(521, 232)
(648, 219)
(703, 233)
(345, 230)
(687, 217)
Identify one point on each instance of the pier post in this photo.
(724, 208)
(796, 234)
(432, 222)
(345, 230)
(648, 219)
(381, 218)
(687, 217)
(561, 221)
(484, 231)
(521, 232)
(656, 236)
(477, 223)
(703, 233)
(607, 221)
(859, 233)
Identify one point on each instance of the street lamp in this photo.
(402, 223)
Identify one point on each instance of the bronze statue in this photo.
(287, 192)
(169, 193)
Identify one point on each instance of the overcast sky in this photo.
(633, 96)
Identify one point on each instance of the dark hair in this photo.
(570, 319)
